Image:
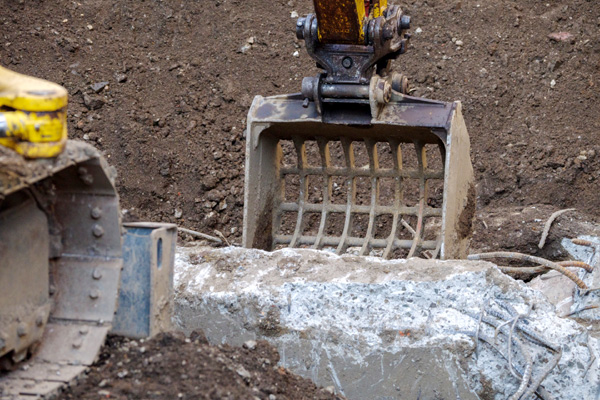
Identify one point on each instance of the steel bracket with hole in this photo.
(146, 297)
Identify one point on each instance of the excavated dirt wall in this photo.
(163, 88)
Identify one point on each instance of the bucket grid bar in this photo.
(327, 184)
(364, 180)
(398, 186)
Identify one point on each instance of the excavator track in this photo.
(60, 240)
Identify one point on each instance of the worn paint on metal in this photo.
(340, 22)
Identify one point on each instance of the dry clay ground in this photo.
(163, 88)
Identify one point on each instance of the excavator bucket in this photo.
(398, 187)
(352, 163)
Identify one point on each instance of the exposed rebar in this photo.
(540, 391)
(528, 368)
(536, 385)
(581, 310)
(584, 242)
(592, 357)
(578, 264)
(533, 259)
(530, 334)
(200, 235)
(549, 224)
(521, 350)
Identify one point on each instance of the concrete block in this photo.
(378, 329)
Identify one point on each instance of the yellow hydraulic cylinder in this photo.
(343, 21)
(33, 115)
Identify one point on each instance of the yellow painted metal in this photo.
(25, 93)
(33, 113)
(379, 7)
(341, 21)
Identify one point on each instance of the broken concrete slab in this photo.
(378, 329)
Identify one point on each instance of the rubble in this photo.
(387, 329)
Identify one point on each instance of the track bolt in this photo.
(39, 321)
(96, 213)
(86, 177)
(22, 330)
(97, 230)
(94, 294)
(97, 274)
(77, 344)
(83, 331)
(52, 290)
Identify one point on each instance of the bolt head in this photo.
(97, 274)
(404, 22)
(22, 330)
(347, 62)
(300, 28)
(97, 230)
(94, 294)
(96, 213)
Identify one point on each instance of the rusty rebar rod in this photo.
(520, 271)
(525, 391)
(536, 385)
(540, 391)
(578, 264)
(200, 235)
(592, 356)
(528, 369)
(521, 350)
(527, 272)
(549, 224)
(581, 310)
(532, 259)
(584, 242)
(531, 335)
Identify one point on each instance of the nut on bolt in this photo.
(96, 213)
(404, 22)
(22, 330)
(383, 91)
(300, 27)
(98, 230)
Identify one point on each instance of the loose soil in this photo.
(181, 76)
(171, 366)
(163, 88)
